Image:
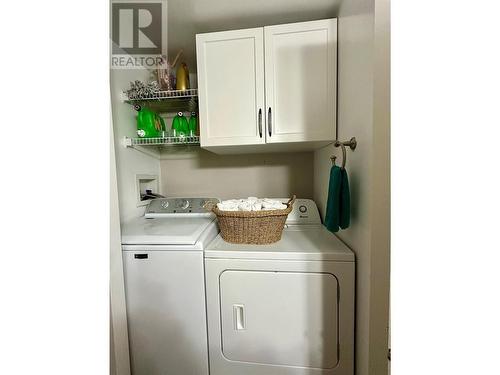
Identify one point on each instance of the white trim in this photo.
(119, 338)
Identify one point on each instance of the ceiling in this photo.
(186, 18)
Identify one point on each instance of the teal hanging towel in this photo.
(345, 201)
(333, 214)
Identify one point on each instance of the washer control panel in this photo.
(163, 207)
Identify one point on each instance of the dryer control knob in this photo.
(303, 209)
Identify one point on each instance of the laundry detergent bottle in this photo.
(180, 125)
(149, 123)
(193, 124)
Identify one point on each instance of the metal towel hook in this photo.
(344, 157)
(352, 143)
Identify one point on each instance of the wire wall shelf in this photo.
(165, 101)
(163, 141)
(159, 95)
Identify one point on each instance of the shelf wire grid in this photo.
(165, 141)
(173, 94)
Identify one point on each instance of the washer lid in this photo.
(164, 231)
(303, 242)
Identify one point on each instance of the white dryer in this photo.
(165, 289)
(285, 308)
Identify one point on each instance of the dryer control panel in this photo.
(304, 211)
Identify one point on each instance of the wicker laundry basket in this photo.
(252, 227)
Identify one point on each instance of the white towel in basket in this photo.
(250, 204)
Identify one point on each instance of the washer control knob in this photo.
(303, 209)
(164, 204)
(183, 203)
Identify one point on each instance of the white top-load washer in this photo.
(164, 286)
(284, 308)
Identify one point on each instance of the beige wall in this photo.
(233, 176)
(363, 112)
(380, 205)
(186, 18)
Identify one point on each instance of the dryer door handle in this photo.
(239, 317)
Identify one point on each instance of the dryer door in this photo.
(280, 318)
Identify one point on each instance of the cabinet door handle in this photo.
(269, 121)
(260, 122)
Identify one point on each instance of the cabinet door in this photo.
(231, 87)
(301, 68)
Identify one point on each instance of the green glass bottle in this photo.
(180, 125)
(193, 124)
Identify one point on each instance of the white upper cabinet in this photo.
(300, 80)
(231, 87)
(259, 88)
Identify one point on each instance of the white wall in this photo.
(363, 101)
(129, 161)
(236, 176)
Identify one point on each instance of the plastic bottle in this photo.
(149, 123)
(182, 77)
(193, 124)
(180, 125)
